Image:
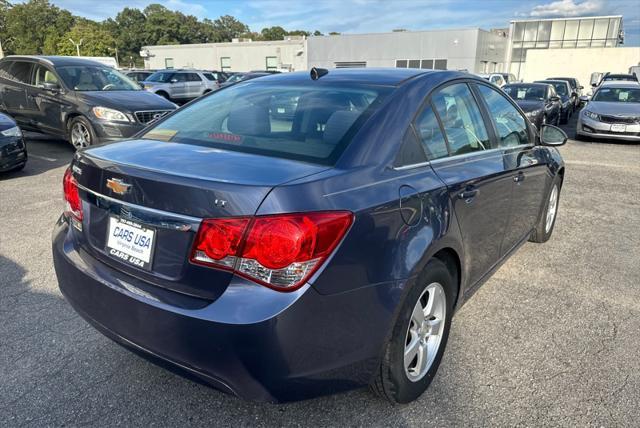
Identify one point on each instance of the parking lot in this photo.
(551, 339)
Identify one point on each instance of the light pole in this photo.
(77, 45)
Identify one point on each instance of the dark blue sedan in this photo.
(13, 149)
(282, 256)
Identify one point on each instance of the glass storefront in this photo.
(591, 32)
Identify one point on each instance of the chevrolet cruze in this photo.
(279, 257)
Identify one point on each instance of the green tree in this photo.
(227, 27)
(273, 33)
(128, 29)
(28, 25)
(318, 33)
(96, 41)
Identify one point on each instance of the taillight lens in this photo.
(73, 204)
(279, 251)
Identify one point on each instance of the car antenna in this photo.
(317, 73)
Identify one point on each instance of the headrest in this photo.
(249, 119)
(338, 124)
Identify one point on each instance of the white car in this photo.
(613, 112)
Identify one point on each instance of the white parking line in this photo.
(43, 158)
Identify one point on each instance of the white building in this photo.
(471, 49)
(238, 55)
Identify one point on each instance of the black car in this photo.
(576, 88)
(241, 77)
(139, 75)
(13, 149)
(76, 99)
(563, 90)
(539, 101)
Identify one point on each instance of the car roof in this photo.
(533, 84)
(553, 81)
(631, 84)
(56, 61)
(374, 76)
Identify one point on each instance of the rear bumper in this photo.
(253, 342)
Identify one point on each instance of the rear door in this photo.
(195, 85)
(14, 92)
(523, 159)
(179, 87)
(478, 180)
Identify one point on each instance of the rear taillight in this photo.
(278, 251)
(73, 204)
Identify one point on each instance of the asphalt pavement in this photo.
(552, 339)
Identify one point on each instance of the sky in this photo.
(367, 16)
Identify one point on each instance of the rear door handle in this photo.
(468, 195)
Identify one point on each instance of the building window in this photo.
(414, 63)
(401, 63)
(168, 63)
(350, 64)
(271, 63)
(225, 63)
(426, 63)
(440, 64)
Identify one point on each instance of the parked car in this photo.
(76, 99)
(495, 78)
(611, 77)
(281, 264)
(139, 75)
(538, 100)
(240, 77)
(13, 149)
(612, 113)
(567, 103)
(181, 85)
(576, 89)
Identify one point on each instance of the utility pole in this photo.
(77, 45)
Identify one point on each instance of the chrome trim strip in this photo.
(457, 157)
(162, 219)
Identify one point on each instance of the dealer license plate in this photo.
(617, 127)
(130, 242)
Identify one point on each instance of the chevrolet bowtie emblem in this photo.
(118, 186)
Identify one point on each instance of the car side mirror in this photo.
(554, 99)
(580, 87)
(51, 87)
(552, 136)
(141, 85)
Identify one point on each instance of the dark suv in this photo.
(76, 99)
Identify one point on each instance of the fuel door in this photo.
(410, 205)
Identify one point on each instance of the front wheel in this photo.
(81, 133)
(413, 354)
(547, 220)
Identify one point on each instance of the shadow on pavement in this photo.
(44, 153)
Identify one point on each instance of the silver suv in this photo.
(181, 85)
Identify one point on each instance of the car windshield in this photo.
(95, 78)
(161, 77)
(525, 93)
(235, 78)
(313, 123)
(618, 95)
(560, 87)
(619, 78)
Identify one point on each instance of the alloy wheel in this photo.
(425, 331)
(80, 136)
(552, 208)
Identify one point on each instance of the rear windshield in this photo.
(525, 93)
(308, 122)
(618, 95)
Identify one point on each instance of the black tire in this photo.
(164, 95)
(541, 233)
(391, 381)
(89, 137)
